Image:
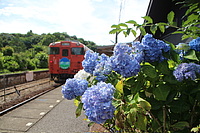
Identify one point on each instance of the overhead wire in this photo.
(120, 9)
(120, 14)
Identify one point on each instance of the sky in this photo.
(87, 19)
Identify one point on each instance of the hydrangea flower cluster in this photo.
(151, 48)
(195, 44)
(122, 48)
(99, 66)
(73, 88)
(186, 71)
(123, 61)
(97, 102)
(82, 74)
(138, 56)
(103, 68)
(90, 61)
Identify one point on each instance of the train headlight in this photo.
(75, 70)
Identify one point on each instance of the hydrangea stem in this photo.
(164, 119)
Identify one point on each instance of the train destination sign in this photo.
(64, 63)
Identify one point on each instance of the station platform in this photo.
(49, 113)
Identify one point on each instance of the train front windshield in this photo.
(54, 50)
(77, 51)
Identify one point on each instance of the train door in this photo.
(64, 62)
(54, 53)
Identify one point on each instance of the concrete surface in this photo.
(61, 119)
(50, 113)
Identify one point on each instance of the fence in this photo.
(8, 80)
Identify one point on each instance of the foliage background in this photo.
(21, 52)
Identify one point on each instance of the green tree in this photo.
(35, 39)
(92, 47)
(47, 39)
(10, 64)
(61, 36)
(36, 62)
(1, 42)
(31, 65)
(38, 48)
(43, 59)
(5, 39)
(7, 51)
(17, 44)
(1, 61)
(73, 37)
(29, 51)
(21, 59)
(29, 33)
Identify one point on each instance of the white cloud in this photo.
(87, 19)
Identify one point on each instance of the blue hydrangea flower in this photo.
(122, 48)
(195, 44)
(90, 61)
(103, 68)
(138, 56)
(74, 87)
(125, 65)
(151, 48)
(123, 61)
(148, 40)
(186, 71)
(97, 102)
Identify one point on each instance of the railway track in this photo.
(18, 88)
(18, 95)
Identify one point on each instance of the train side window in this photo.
(65, 52)
(54, 50)
(77, 51)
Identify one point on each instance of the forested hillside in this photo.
(21, 52)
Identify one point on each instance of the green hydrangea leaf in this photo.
(162, 28)
(144, 104)
(123, 25)
(115, 26)
(179, 106)
(119, 86)
(141, 122)
(191, 55)
(163, 67)
(133, 32)
(150, 71)
(148, 19)
(153, 28)
(180, 125)
(113, 31)
(161, 92)
(79, 109)
(170, 17)
(132, 22)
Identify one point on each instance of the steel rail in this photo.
(20, 85)
(21, 89)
